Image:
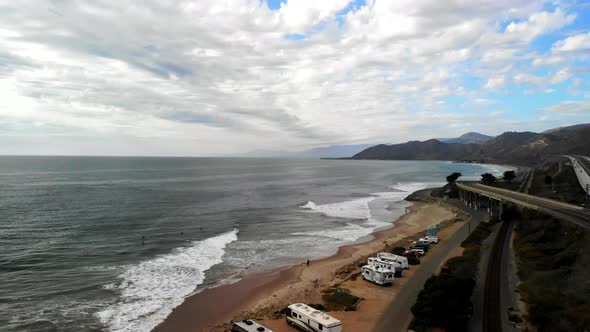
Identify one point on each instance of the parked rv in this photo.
(403, 261)
(378, 275)
(309, 319)
(248, 325)
(385, 264)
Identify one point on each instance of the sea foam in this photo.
(150, 290)
(360, 209)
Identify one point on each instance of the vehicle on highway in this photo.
(403, 261)
(378, 275)
(385, 264)
(309, 319)
(248, 325)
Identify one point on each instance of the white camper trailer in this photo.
(309, 319)
(383, 264)
(403, 261)
(248, 325)
(378, 275)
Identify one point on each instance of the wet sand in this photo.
(262, 296)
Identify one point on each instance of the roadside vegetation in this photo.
(445, 301)
(556, 179)
(553, 269)
(336, 298)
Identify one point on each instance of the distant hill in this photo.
(415, 150)
(471, 137)
(335, 151)
(583, 125)
(332, 151)
(522, 148)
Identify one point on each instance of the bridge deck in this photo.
(557, 209)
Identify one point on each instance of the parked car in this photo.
(414, 252)
(423, 240)
(424, 247)
(431, 238)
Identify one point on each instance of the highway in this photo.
(567, 212)
(581, 167)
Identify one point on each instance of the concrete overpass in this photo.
(581, 166)
(494, 199)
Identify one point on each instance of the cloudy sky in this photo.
(211, 77)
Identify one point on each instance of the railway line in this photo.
(492, 315)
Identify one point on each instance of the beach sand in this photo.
(262, 296)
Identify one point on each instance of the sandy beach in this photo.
(262, 296)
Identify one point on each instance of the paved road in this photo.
(397, 316)
(581, 167)
(567, 212)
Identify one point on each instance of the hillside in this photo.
(522, 148)
(471, 137)
(335, 151)
(415, 150)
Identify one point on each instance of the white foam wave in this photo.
(360, 209)
(354, 209)
(150, 290)
(348, 233)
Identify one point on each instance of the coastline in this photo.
(262, 295)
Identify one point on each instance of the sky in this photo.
(221, 78)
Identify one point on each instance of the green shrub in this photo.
(445, 301)
(339, 299)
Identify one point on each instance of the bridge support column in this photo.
(500, 211)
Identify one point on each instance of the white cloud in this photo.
(569, 107)
(214, 77)
(495, 82)
(578, 42)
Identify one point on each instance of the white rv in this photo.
(378, 275)
(248, 325)
(384, 264)
(309, 319)
(403, 261)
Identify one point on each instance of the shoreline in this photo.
(261, 295)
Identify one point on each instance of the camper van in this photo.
(378, 275)
(403, 261)
(383, 264)
(309, 319)
(248, 325)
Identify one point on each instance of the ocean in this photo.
(115, 243)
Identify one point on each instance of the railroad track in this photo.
(492, 315)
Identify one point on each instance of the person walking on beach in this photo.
(308, 262)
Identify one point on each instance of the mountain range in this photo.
(470, 137)
(345, 151)
(519, 148)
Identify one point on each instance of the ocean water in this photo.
(114, 244)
